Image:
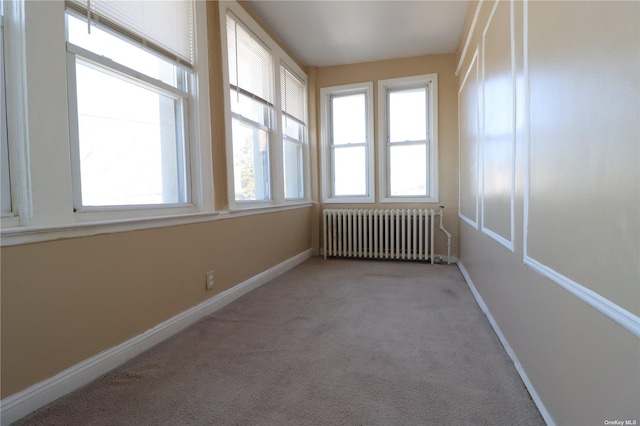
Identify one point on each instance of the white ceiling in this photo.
(322, 32)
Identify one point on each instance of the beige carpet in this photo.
(335, 342)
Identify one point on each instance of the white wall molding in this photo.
(499, 238)
(469, 36)
(523, 374)
(467, 220)
(606, 307)
(616, 313)
(506, 242)
(472, 222)
(22, 403)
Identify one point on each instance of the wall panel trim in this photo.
(606, 307)
(506, 242)
(471, 222)
(616, 313)
(37, 396)
(523, 374)
(469, 36)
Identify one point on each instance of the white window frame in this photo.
(43, 165)
(194, 199)
(326, 153)
(268, 125)
(276, 144)
(16, 95)
(384, 86)
(302, 142)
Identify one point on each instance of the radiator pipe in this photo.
(441, 213)
(324, 233)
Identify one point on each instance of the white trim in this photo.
(123, 70)
(22, 403)
(506, 242)
(616, 313)
(499, 238)
(304, 143)
(276, 142)
(431, 81)
(43, 170)
(17, 112)
(523, 374)
(606, 307)
(467, 220)
(469, 35)
(471, 222)
(514, 122)
(33, 234)
(527, 130)
(325, 154)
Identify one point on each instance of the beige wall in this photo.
(65, 301)
(444, 66)
(569, 141)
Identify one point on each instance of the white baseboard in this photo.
(534, 395)
(37, 396)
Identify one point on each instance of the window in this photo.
(347, 153)
(267, 150)
(251, 97)
(129, 118)
(408, 139)
(108, 122)
(293, 133)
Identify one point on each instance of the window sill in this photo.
(248, 209)
(20, 235)
(349, 200)
(416, 200)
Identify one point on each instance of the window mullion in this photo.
(277, 148)
(46, 196)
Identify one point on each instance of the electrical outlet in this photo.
(209, 280)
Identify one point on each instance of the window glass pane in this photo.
(293, 173)
(408, 170)
(250, 162)
(115, 48)
(408, 115)
(249, 108)
(130, 150)
(292, 129)
(349, 171)
(4, 149)
(348, 119)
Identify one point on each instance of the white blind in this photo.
(250, 61)
(292, 94)
(164, 26)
